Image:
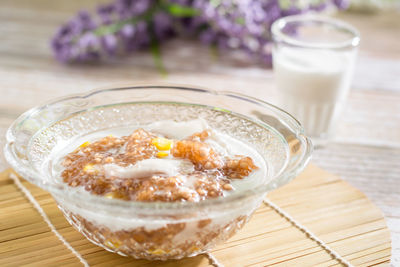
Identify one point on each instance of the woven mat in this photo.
(337, 213)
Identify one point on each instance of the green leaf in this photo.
(285, 4)
(109, 29)
(181, 11)
(240, 21)
(215, 3)
(155, 51)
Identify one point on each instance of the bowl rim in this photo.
(59, 191)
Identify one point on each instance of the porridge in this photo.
(165, 161)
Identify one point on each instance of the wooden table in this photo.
(366, 151)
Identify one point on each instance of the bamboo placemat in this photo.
(334, 211)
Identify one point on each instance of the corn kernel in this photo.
(157, 251)
(110, 195)
(112, 244)
(162, 143)
(88, 167)
(194, 249)
(162, 154)
(85, 144)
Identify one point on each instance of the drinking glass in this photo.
(313, 61)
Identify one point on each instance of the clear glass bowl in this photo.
(156, 230)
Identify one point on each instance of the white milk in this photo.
(313, 85)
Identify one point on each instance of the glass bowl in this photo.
(156, 230)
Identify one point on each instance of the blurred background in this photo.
(36, 65)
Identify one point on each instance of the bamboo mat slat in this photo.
(333, 210)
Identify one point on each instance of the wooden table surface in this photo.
(366, 149)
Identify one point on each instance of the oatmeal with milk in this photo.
(164, 161)
(147, 166)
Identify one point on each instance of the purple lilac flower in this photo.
(127, 25)
(106, 13)
(249, 21)
(163, 25)
(110, 32)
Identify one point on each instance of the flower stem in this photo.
(156, 52)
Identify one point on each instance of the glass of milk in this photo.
(313, 61)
